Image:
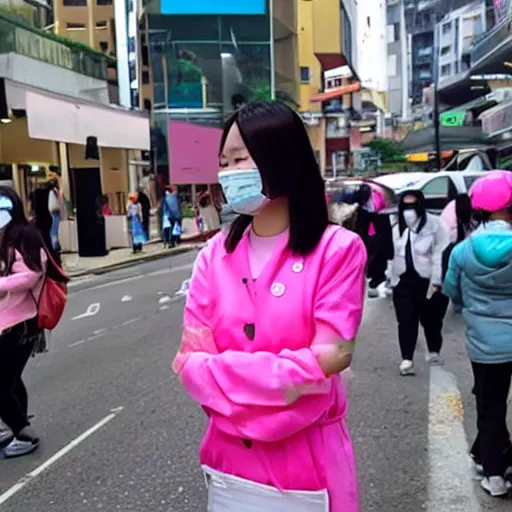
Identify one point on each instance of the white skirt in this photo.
(228, 493)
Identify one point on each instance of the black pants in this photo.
(16, 346)
(412, 308)
(492, 446)
(377, 262)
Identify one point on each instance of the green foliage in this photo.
(389, 150)
(190, 72)
(187, 212)
(6, 14)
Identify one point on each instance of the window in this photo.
(425, 52)
(144, 52)
(104, 46)
(469, 180)
(437, 187)
(445, 50)
(147, 105)
(447, 28)
(393, 32)
(456, 65)
(446, 70)
(103, 2)
(145, 77)
(304, 75)
(101, 25)
(75, 3)
(75, 26)
(392, 70)
(368, 21)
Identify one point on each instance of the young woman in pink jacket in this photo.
(22, 264)
(273, 310)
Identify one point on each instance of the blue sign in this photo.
(213, 6)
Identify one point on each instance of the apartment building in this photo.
(330, 87)
(91, 22)
(457, 32)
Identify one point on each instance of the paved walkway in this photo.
(76, 266)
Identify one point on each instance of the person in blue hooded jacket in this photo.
(479, 279)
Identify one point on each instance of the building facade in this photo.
(56, 117)
(456, 33)
(200, 61)
(330, 87)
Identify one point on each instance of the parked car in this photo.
(439, 187)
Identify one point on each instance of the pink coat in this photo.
(17, 292)
(273, 416)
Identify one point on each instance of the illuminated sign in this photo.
(194, 7)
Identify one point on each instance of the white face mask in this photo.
(5, 218)
(410, 218)
(242, 189)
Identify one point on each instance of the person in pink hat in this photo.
(479, 279)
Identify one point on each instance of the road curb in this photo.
(135, 260)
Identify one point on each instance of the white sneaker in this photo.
(20, 447)
(434, 359)
(496, 486)
(407, 368)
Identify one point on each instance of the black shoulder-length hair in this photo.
(277, 141)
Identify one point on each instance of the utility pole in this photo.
(435, 87)
(405, 63)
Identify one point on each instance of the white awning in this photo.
(63, 119)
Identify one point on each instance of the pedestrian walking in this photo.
(171, 217)
(272, 312)
(419, 240)
(145, 207)
(479, 279)
(135, 228)
(55, 207)
(23, 264)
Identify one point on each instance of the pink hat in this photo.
(492, 192)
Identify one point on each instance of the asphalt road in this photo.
(118, 433)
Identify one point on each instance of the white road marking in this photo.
(451, 487)
(131, 321)
(163, 308)
(96, 336)
(24, 481)
(181, 268)
(126, 298)
(164, 300)
(81, 342)
(92, 310)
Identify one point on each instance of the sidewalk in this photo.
(76, 266)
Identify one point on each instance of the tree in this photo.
(389, 150)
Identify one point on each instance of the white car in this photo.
(439, 188)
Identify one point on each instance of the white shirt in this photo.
(427, 249)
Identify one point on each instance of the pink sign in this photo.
(193, 153)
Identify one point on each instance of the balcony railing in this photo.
(30, 42)
(490, 40)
